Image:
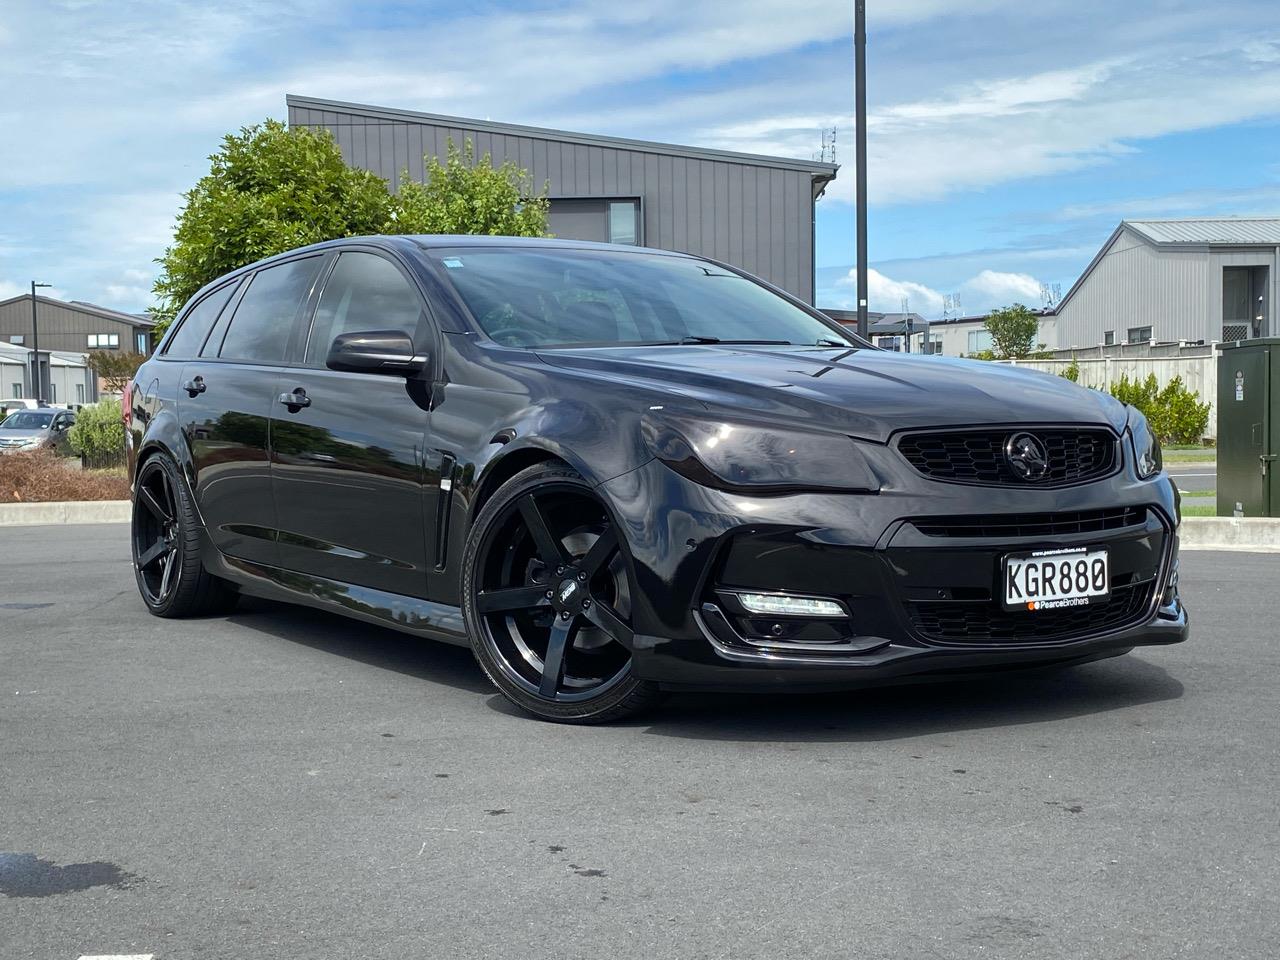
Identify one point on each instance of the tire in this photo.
(546, 589)
(166, 537)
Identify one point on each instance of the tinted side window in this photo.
(262, 323)
(364, 292)
(189, 337)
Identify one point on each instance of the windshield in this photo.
(27, 420)
(536, 298)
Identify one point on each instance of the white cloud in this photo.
(1001, 289)
(985, 291)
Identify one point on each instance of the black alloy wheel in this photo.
(548, 599)
(166, 547)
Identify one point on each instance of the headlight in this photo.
(749, 458)
(1147, 459)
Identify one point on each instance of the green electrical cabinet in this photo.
(1248, 427)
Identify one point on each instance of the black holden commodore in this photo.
(613, 472)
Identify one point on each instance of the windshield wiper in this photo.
(701, 339)
(830, 342)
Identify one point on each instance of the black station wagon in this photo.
(613, 472)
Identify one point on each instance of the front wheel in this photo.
(547, 597)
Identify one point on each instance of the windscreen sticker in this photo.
(453, 263)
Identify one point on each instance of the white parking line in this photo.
(117, 956)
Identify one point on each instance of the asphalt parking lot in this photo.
(287, 784)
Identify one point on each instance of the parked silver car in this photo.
(32, 429)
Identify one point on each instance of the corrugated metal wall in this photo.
(61, 327)
(1138, 285)
(1177, 292)
(754, 216)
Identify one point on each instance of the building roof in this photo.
(821, 171)
(92, 309)
(1188, 231)
(1236, 231)
(13, 353)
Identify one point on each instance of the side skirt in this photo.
(422, 618)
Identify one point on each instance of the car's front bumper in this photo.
(923, 605)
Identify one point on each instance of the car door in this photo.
(347, 466)
(225, 400)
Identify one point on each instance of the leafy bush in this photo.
(1175, 413)
(1072, 372)
(98, 434)
(271, 188)
(463, 195)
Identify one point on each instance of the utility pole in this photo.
(38, 379)
(860, 153)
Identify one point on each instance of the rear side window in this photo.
(263, 321)
(190, 335)
(364, 292)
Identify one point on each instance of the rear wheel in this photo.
(547, 596)
(166, 547)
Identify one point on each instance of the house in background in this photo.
(1196, 279)
(68, 330)
(751, 211)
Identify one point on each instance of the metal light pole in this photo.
(38, 378)
(860, 152)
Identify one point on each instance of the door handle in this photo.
(194, 386)
(296, 400)
(1265, 459)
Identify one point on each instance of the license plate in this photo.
(1054, 579)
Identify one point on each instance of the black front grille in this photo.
(977, 456)
(988, 622)
(1033, 524)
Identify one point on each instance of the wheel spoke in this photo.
(553, 662)
(150, 502)
(548, 547)
(152, 554)
(600, 551)
(610, 623)
(511, 598)
(169, 563)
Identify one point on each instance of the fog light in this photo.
(782, 605)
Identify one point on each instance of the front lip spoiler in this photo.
(675, 664)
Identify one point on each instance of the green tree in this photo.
(1013, 331)
(270, 188)
(463, 195)
(114, 368)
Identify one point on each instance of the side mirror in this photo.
(375, 351)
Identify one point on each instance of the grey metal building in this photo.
(68, 330)
(1207, 279)
(754, 212)
(73, 327)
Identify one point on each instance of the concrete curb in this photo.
(1254, 534)
(73, 511)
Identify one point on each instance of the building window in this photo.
(17, 390)
(1109, 338)
(931, 344)
(979, 341)
(1139, 335)
(79, 393)
(104, 341)
(624, 222)
(17, 339)
(889, 343)
(140, 343)
(53, 392)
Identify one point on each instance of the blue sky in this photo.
(1006, 139)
